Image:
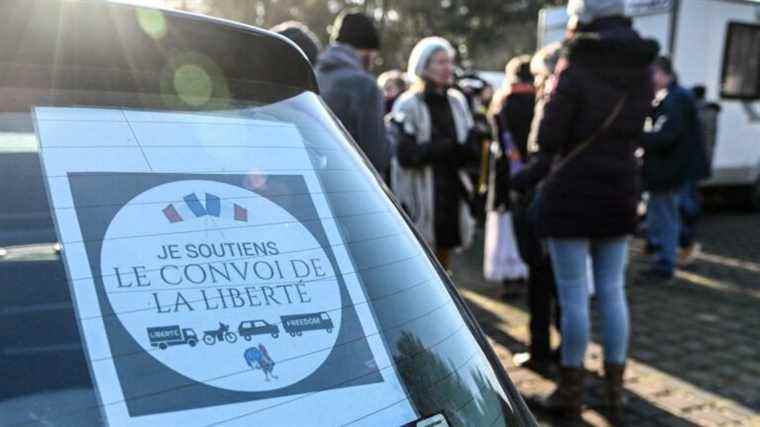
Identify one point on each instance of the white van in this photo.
(715, 44)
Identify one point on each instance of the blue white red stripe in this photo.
(211, 207)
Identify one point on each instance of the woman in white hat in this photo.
(436, 124)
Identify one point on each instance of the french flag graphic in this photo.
(241, 213)
(171, 214)
(211, 206)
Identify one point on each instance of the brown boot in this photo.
(613, 376)
(567, 400)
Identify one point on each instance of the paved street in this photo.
(695, 357)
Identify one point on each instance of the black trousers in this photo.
(542, 288)
(542, 304)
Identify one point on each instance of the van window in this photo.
(741, 72)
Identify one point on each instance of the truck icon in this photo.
(165, 336)
(250, 328)
(297, 324)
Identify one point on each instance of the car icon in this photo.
(250, 328)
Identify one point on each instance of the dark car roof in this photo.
(112, 37)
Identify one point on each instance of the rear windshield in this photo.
(233, 265)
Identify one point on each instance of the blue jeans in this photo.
(608, 260)
(663, 227)
(690, 207)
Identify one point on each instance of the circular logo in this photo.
(222, 285)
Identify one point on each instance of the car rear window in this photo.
(192, 203)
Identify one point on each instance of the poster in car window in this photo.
(211, 282)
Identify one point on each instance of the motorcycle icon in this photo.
(220, 334)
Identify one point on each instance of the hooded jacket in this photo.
(353, 95)
(595, 194)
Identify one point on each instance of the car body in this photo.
(130, 138)
(251, 328)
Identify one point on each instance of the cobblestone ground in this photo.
(695, 345)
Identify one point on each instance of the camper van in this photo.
(715, 44)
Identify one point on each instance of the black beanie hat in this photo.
(356, 29)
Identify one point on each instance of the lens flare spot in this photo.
(193, 85)
(152, 22)
(255, 181)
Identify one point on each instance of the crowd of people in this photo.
(565, 149)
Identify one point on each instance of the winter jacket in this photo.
(516, 116)
(511, 127)
(595, 194)
(674, 142)
(353, 95)
(413, 177)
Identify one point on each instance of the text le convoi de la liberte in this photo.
(222, 276)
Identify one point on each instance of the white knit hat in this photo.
(423, 50)
(586, 11)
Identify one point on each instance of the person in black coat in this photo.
(690, 199)
(350, 90)
(588, 132)
(513, 106)
(675, 160)
(512, 114)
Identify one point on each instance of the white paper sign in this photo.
(209, 277)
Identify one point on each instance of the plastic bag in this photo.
(502, 259)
